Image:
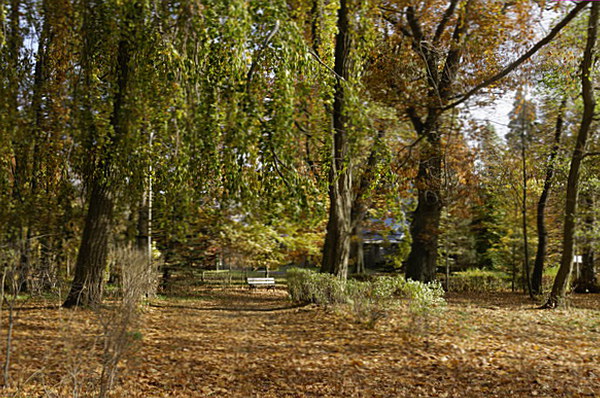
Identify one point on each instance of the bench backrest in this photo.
(261, 281)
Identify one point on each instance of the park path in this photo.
(234, 342)
(240, 343)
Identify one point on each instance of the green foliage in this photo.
(479, 280)
(367, 301)
(548, 277)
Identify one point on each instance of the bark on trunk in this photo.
(559, 289)
(336, 250)
(540, 257)
(422, 260)
(86, 289)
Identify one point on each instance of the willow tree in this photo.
(15, 73)
(561, 282)
(451, 45)
(109, 35)
(235, 152)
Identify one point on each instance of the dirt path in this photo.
(240, 343)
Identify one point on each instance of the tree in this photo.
(522, 118)
(561, 282)
(87, 286)
(33, 135)
(442, 65)
(538, 267)
(336, 250)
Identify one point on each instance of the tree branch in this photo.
(514, 65)
(589, 154)
(329, 68)
(259, 54)
(454, 55)
(442, 25)
(414, 24)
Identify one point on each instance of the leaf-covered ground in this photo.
(240, 343)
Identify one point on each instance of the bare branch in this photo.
(410, 148)
(514, 65)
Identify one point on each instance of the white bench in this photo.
(256, 282)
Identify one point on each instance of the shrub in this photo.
(368, 300)
(314, 287)
(478, 280)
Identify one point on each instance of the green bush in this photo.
(313, 287)
(424, 298)
(478, 280)
(368, 300)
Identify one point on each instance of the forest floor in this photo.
(225, 342)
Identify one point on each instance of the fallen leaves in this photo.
(236, 343)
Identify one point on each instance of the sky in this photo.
(496, 113)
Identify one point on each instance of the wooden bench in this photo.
(256, 282)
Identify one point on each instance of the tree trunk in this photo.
(336, 250)
(587, 283)
(86, 289)
(144, 227)
(20, 232)
(143, 224)
(540, 257)
(316, 14)
(441, 74)
(559, 289)
(422, 260)
(524, 214)
(513, 285)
